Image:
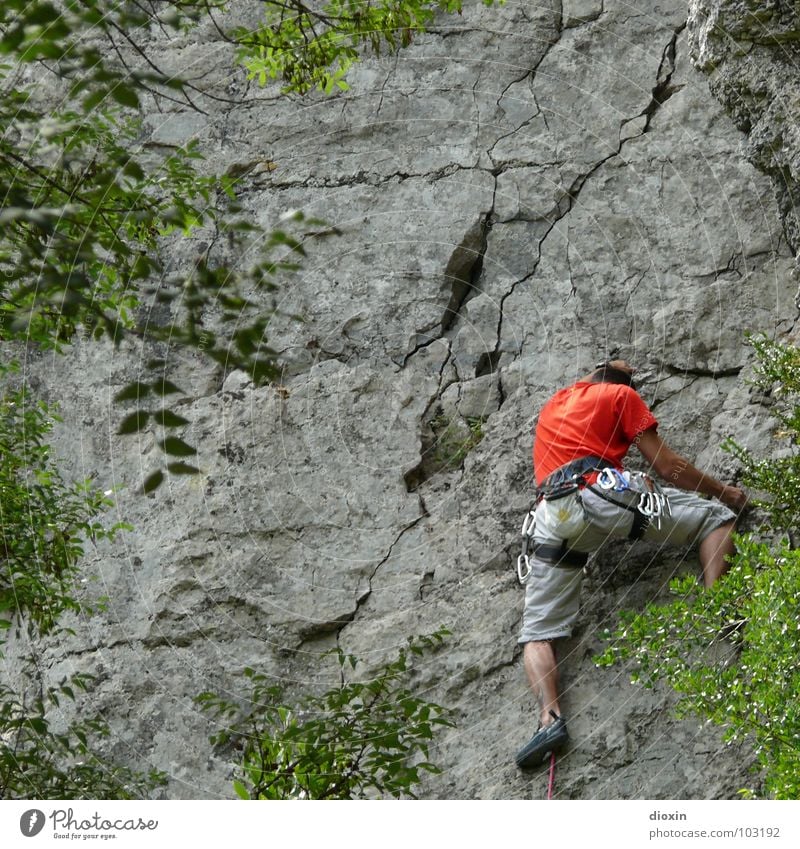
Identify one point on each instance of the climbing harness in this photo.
(558, 556)
(569, 478)
(637, 493)
(564, 481)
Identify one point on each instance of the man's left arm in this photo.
(678, 471)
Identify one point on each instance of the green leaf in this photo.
(241, 790)
(134, 422)
(38, 724)
(165, 387)
(176, 447)
(133, 391)
(182, 469)
(125, 95)
(134, 170)
(153, 482)
(167, 418)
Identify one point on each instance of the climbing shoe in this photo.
(549, 738)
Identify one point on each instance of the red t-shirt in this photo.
(602, 419)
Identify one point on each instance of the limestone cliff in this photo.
(521, 192)
(750, 51)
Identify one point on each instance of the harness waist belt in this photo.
(569, 478)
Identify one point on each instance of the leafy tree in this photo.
(44, 525)
(358, 738)
(778, 477)
(43, 520)
(309, 47)
(731, 652)
(88, 216)
(43, 758)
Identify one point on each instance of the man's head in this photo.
(613, 371)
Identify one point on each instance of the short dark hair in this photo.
(606, 373)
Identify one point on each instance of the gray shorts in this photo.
(552, 593)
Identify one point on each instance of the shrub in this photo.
(731, 652)
(44, 524)
(359, 738)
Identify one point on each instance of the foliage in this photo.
(358, 738)
(91, 217)
(731, 652)
(45, 524)
(778, 478)
(81, 208)
(43, 521)
(40, 761)
(315, 47)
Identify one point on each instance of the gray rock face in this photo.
(521, 192)
(750, 51)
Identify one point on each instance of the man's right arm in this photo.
(678, 471)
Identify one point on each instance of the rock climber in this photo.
(584, 496)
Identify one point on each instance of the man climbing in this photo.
(585, 497)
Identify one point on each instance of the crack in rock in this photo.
(663, 89)
(464, 269)
(266, 172)
(657, 402)
(361, 599)
(576, 17)
(715, 374)
(531, 73)
(661, 92)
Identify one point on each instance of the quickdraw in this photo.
(653, 504)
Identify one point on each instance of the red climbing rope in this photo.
(551, 780)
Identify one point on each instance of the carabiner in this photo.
(611, 478)
(650, 507)
(606, 479)
(645, 505)
(528, 524)
(523, 560)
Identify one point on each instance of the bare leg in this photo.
(714, 550)
(542, 671)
